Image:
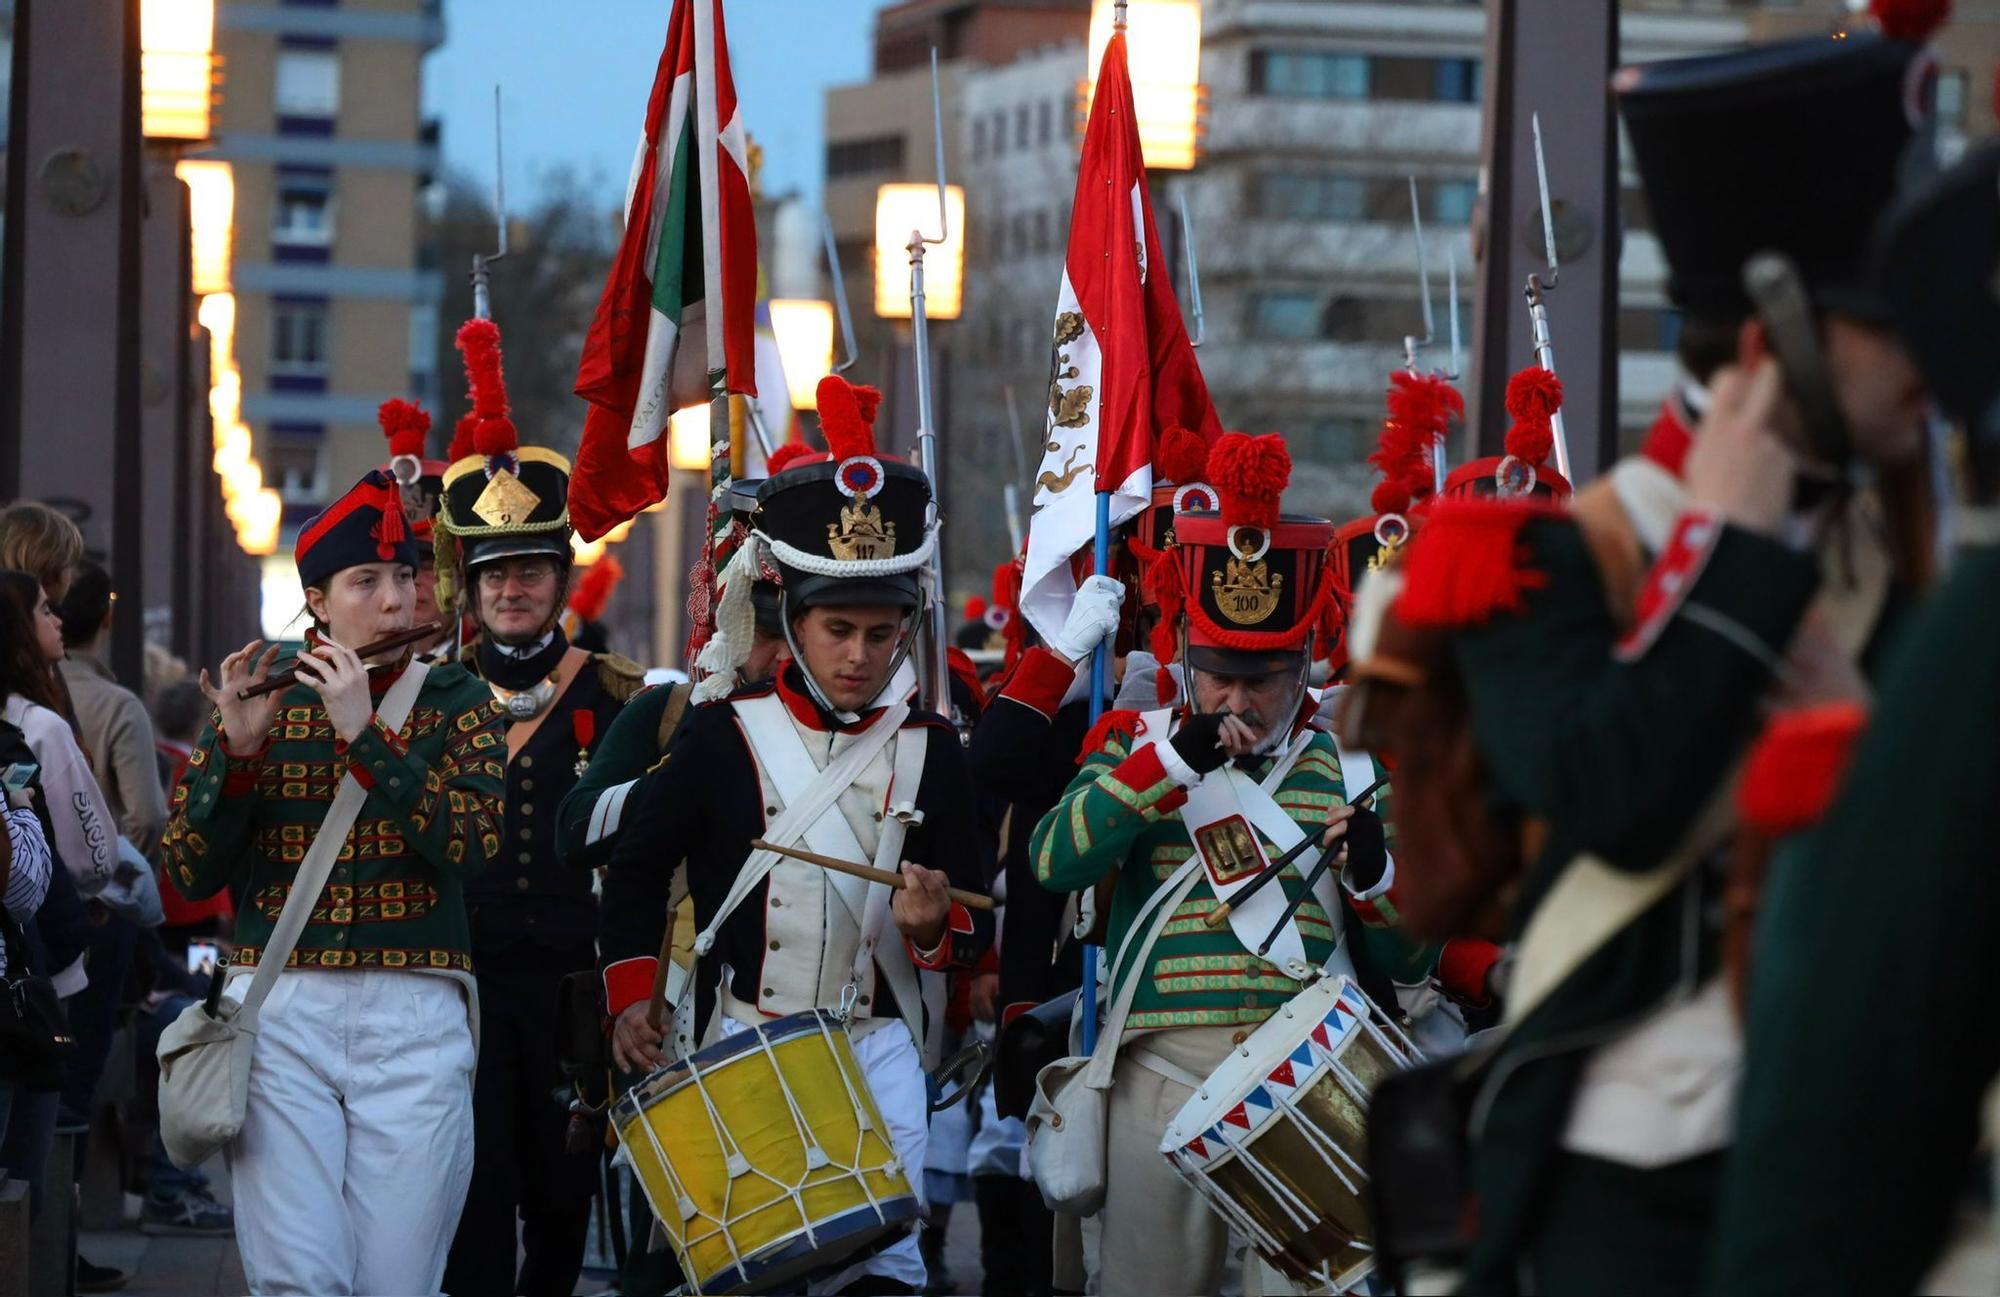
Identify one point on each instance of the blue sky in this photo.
(574, 76)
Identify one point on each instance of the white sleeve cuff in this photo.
(1381, 888)
(1177, 769)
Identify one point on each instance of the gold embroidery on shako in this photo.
(861, 534)
(505, 501)
(1247, 591)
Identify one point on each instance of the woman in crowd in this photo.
(356, 1148)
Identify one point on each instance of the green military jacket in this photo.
(592, 812)
(1870, 1031)
(1121, 812)
(431, 820)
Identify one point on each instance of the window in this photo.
(293, 466)
(423, 347)
(1041, 231)
(1044, 122)
(1296, 75)
(1648, 328)
(298, 337)
(861, 157)
(1337, 439)
(1021, 127)
(1286, 317)
(1455, 81)
(1951, 97)
(999, 132)
(305, 210)
(978, 138)
(1296, 197)
(1452, 201)
(308, 83)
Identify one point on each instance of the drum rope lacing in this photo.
(738, 1166)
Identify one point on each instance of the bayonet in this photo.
(1537, 294)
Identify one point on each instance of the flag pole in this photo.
(1100, 667)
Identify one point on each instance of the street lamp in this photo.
(900, 210)
(804, 330)
(1163, 48)
(176, 68)
(687, 439)
(212, 217)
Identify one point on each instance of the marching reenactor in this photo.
(356, 1145)
(1565, 694)
(504, 532)
(1251, 585)
(833, 736)
(1875, 1086)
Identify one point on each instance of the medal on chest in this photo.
(583, 724)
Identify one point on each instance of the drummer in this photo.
(1151, 786)
(848, 533)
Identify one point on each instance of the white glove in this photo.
(1092, 618)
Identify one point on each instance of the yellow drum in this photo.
(764, 1156)
(1274, 1138)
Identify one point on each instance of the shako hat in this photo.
(1253, 579)
(1790, 147)
(1939, 267)
(366, 525)
(501, 499)
(407, 427)
(1534, 396)
(847, 526)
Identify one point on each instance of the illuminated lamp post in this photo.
(1163, 42)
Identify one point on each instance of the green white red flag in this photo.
(675, 324)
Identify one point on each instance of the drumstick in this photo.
(970, 900)
(287, 678)
(1292, 906)
(1220, 914)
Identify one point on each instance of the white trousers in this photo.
(895, 1072)
(357, 1145)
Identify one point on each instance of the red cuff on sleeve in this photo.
(629, 982)
(1142, 772)
(1462, 968)
(1673, 574)
(1040, 681)
(957, 923)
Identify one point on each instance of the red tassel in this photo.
(493, 432)
(1250, 473)
(1464, 567)
(1532, 441)
(1122, 723)
(1534, 393)
(1181, 458)
(1389, 496)
(1796, 767)
(847, 417)
(393, 528)
(1909, 20)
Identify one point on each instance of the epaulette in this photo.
(621, 677)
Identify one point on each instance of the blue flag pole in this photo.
(1100, 668)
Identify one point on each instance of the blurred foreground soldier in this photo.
(504, 528)
(1566, 695)
(354, 1157)
(1861, 1110)
(1166, 803)
(835, 729)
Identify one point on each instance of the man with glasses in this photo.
(504, 540)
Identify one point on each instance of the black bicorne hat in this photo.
(1791, 147)
(365, 525)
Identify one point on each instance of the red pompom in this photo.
(493, 432)
(594, 587)
(1120, 723)
(1795, 768)
(405, 426)
(847, 417)
(461, 436)
(1181, 457)
(1006, 585)
(1250, 473)
(785, 456)
(1534, 393)
(1389, 496)
(1465, 566)
(1425, 402)
(975, 608)
(1909, 20)
(1531, 441)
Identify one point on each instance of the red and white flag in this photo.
(1123, 370)
(676, 322)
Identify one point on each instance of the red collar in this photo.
(808, 712)
(1670, 438)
